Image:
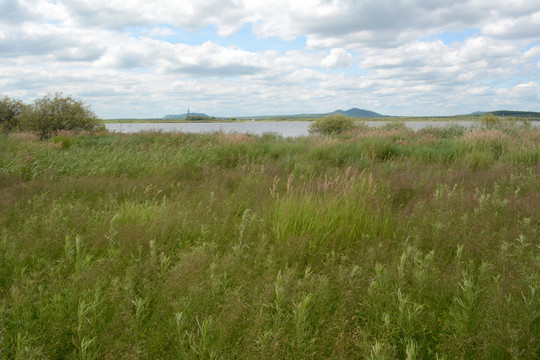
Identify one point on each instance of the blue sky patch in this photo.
(450, 37)
(243, 39)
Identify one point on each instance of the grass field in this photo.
(376, 244)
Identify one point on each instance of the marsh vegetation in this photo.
(378, 243)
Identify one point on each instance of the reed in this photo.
(377, 243)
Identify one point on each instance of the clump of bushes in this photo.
(10, 111)
(48, 115)
(332, 125)
(54, 113)
(395, 125)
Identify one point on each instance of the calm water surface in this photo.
(284, 128)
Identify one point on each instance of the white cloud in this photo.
(436, 62)
(321, 21)
(338, 59)
(527, 26)
(82, 47)
(15, 12)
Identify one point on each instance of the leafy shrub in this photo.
(396, 125)
(10, 110)
(50, 114)
(331, 125)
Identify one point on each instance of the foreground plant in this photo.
(381, 244)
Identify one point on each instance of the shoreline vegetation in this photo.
(455, 118)
(376, 243)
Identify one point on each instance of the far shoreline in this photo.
(270, 119)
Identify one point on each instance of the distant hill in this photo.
(354, 112)
(359, 113)
(182, 116)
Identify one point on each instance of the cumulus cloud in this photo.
(211, 59)
(437, 63)
(527, 26)
(192, 14)
(315, 19)
(338, 58)
(128, 55)
(51, 41)
(15, 12)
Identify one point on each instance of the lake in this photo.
(284, 128)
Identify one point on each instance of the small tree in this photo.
(10, 111)
(331, 125)
(53, 113)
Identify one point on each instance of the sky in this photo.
(142, 59)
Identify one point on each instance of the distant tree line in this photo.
(47, 115)
(527, 114)
(200, 118)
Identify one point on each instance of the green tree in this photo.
(55, 112)
(331, 125)
(10, 111)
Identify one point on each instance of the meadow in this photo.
(374, 244)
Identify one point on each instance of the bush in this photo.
(10, 111)
(50, 114)
(395, 125)
(331, 125)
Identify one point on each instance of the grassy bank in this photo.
(377, 244)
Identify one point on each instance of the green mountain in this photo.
(354, 112)
(359, 113)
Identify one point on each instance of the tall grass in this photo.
(378, 244)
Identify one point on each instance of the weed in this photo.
(378, 244)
